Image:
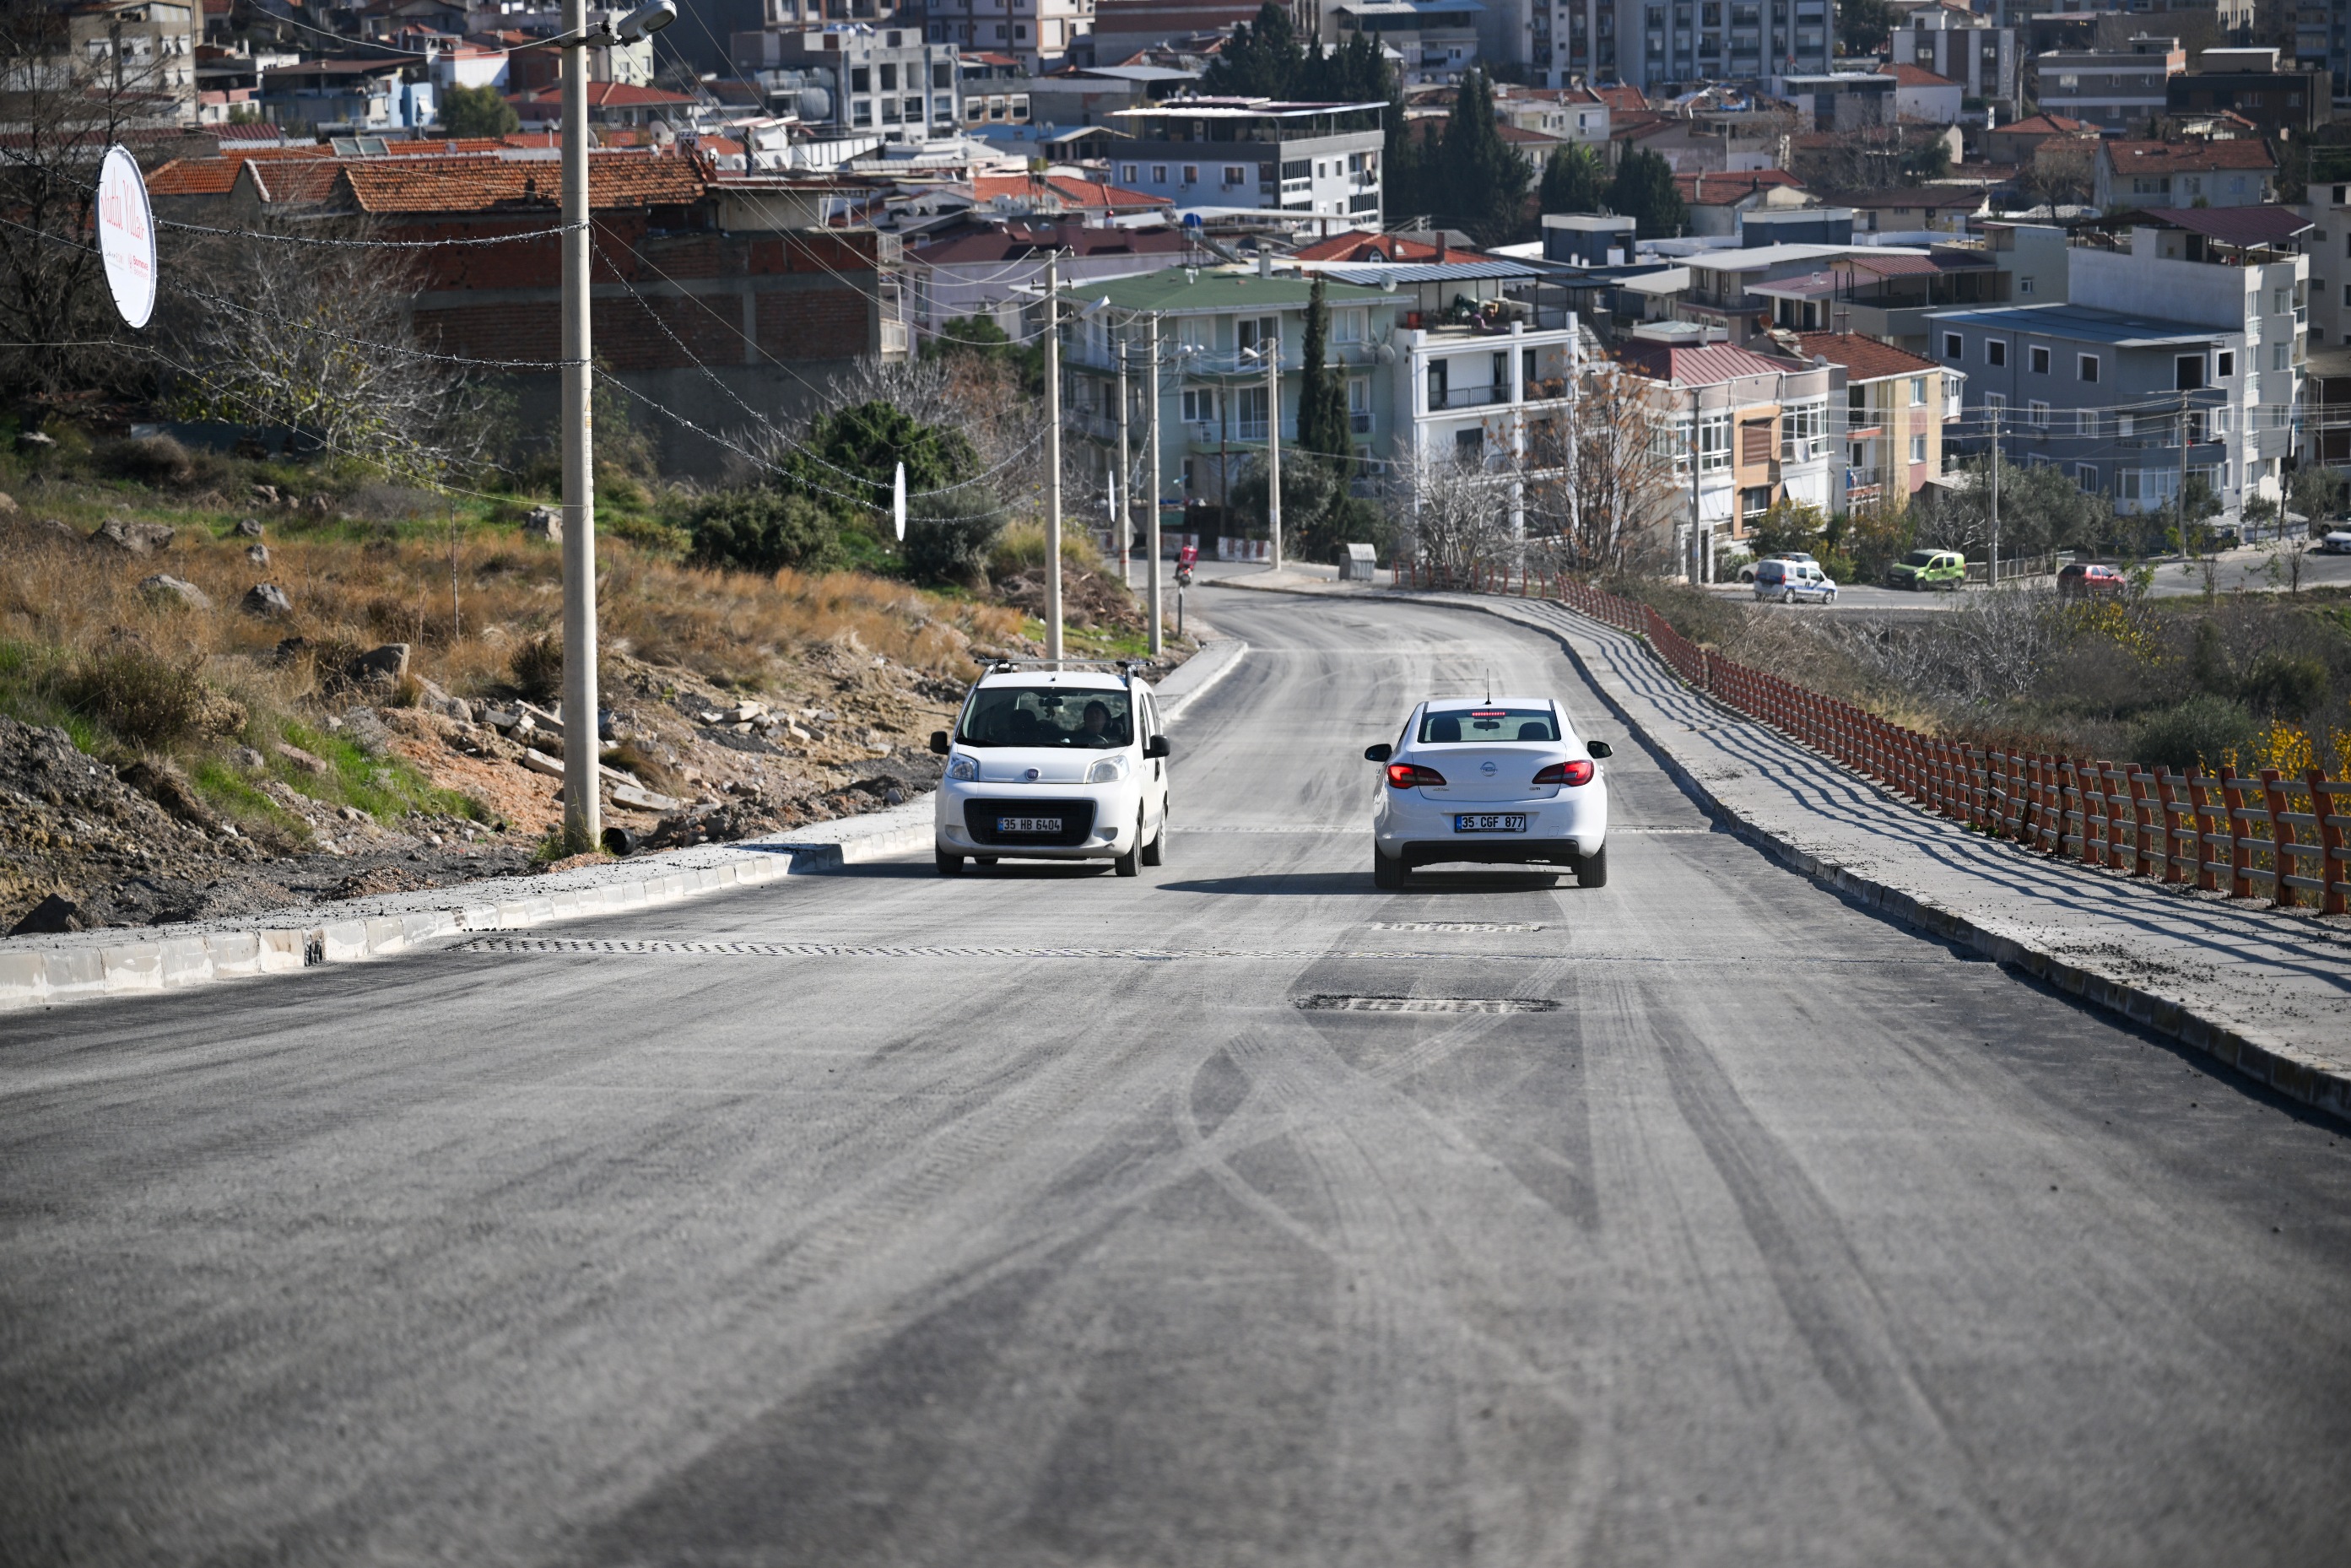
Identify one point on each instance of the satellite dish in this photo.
(126, 236)
(1386, 353)
(898, 500)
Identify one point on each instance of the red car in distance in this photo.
(2089, 579)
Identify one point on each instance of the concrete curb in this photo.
(1218, 656)
(2289, 1071)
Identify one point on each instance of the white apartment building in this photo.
(1037, 33)
(1255, 154)
(2117, 90)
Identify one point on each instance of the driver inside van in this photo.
(1093, 727)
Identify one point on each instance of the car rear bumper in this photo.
(1511, 849)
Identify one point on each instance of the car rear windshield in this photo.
(1454, 726)
(1919, 557)
(1047, 715)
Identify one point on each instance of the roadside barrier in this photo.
(2264, 835)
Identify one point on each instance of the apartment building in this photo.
(1216, 407)
(142, 52)
(1256, 154)
(1433, 41)
(2281, 102)
(2181, 350)
(1963, 47)
(2117, 90)
(1655, 45)
(858, 79)
(1896, 408)
(1040, 34)
(2234, 174)
(2327, 243)
(1746, 430)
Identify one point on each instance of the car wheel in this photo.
(950, 865)
(1386, 873)
(1787, 596)
(1130, 862)
(1155, 851)
(1592, 871)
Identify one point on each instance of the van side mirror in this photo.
(939, 741)
(1600, 748)
(1379, 753)
(1156, 747)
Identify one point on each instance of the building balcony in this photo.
(1440, 399)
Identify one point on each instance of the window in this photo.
(1714, 442)
(1456, 727)
(1953, 394)
(1469, 445)
(1994, 405)
(1995, 351)
(2187, 372)
(1236, 174)
(1802, 425)
(2038, 413)
(2085, 421)
(1954, 346)
(1046, 716)
(1349, 326)
(2278, 301)
(2125, 425)
(2279, 354)
(1127, 173)
(2085, 475)
(889, 79)
(1248, 413)
(1249, 331)
(1359, 405)
(942, 75)
(2023, 284)
(1191, 173)
(2037, 359)
(1199, 405)
(1159, 173)
(1917, 392)
(1917, 449)
(861, 79)
(2086, 369)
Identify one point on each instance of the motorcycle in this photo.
(1185, 558)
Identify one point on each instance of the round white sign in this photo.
(898, 500)
(126, 236)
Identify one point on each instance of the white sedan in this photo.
(1500, 781)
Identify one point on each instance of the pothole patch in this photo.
(1324, 1003)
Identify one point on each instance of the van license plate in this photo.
(1511, 823)
(1027, 824)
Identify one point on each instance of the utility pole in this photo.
(2179, 502)
(1995, 496)
(1052, 455)
(583, 816)
(1274, 450)
(1697, 523)
(1122, 515)
(1151, 521)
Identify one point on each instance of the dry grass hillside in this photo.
(325, 688)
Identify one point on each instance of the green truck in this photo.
(1924, 568)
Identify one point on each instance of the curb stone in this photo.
(141, 966)
(2297, 1075)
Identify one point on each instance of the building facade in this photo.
(2119, 92)
(857, 80)
(1256, 154)
(1655, 45)
(1896, 408)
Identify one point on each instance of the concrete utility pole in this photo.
(1698, 520)
(2180, 505)
(1995, 495)
(583, 816)
(1053, 456)
(1151, 518)
(1273, 451)
(1122, 515)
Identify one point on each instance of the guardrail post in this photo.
(2241, 848)
(2334, 846)
(2049, 817)
(2142, 864)
(2092, 776)
(2282, 838)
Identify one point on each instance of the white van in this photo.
(1792, 581)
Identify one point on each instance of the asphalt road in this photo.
(1776, 1236)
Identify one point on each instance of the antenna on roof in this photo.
(1490, 684)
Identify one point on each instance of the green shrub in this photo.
(148, 459)
(2199, 733)
(2286, 685)
(146, 699)
(537, 666)
(954, 545)
(764, 531)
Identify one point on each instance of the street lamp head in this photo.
(645, 20)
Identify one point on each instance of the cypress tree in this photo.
(1322, 396)
(1644, 190)
(1571, 180)
(1485, 181)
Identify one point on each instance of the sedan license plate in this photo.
(1027, 824)
(1505, 822)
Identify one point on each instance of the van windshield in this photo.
(1919, 557)
(1047, 715)
(1454, 726)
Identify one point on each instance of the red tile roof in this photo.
(1864, 359)
(291, 180)
(1072, 191)
(1719, 190)
(605, 95)
(1915, 76)
(2045, 125)
(1377, 247)
(1621, 98)
(482, 184)
(2185, 157)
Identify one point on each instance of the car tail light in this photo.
(1405, 776)
(1568, 774)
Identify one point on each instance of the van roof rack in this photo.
(1125, 667)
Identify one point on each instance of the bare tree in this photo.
(1600, 482)
(1455, 511)
(1991, 649)
(62, 109)
(314, 340)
